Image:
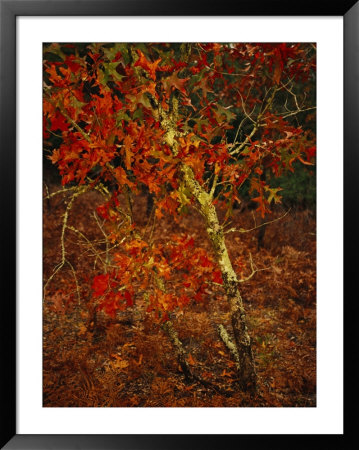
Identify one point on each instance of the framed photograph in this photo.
(174, 178)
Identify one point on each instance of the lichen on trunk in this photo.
(229, 344)
(181, 354)
(230, 282)
(247, 372)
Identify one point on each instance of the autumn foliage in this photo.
(203, 127)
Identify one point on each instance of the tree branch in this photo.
(243, 230)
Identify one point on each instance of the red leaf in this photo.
(217, 277)
(100, 285)
(59, 123)
(128, 298)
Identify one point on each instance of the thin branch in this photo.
(249, 116)
(292, 93)
(254, 270)
(256, 126)
(243, 230)
(50, 131)
(238, 129)
(61, 191)
(243, 280)
(76, 282)
(106, 239)
(214, 185)
(78, 191)
(292, 113)
(75, 230)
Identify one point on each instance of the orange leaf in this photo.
(149, 66)
(307, 163)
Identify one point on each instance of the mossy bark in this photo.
(181, 354)
(215, 233)
(230, 281)
(229, 344)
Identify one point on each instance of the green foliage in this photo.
(299, 187)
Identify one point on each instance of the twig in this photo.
(75, 230)
(76, 282)
(214, 185)
(79, 190)
(106, 239)
(256, 123)
(254, 270)
(61, 191)
(243, 230)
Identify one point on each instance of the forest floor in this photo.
(129, 360)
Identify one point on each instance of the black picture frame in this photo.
(9, 10)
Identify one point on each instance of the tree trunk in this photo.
(181, 354)
(230, 282)
(247, 371)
